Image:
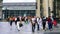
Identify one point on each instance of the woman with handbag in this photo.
(18, 22)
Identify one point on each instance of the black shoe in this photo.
(33, 31)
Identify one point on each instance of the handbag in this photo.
(20, 25)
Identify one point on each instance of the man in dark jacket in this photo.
(44, 22)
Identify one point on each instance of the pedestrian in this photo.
(18, 22)
(40, 23)
(37, 19)
(11, 20)
(49, 23)
(33, 23)
(44, 22)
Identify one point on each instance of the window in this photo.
(8, 13)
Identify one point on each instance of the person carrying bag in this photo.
(20, 24)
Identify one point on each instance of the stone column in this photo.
(59, 13)
(0, 13)
(38, 8)
(51, 7)
(0, 10)
(45, 7)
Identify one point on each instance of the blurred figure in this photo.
(49, 23)
(44, 22)
(26, 20)
(11, 20)
(15, 20)
(37, 19)
(33, 19)
(40, 23)
(55, 22)
(18, 22)
(23, 18)
(20, 18)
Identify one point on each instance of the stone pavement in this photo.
(26, 29)
(54, 31)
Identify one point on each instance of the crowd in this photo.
(41, 22)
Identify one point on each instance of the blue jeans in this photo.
(50, 25)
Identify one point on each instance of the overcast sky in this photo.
(12, 1)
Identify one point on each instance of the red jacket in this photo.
(54, 22)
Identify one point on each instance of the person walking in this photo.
(33, 19)
(37, 19)
(40, 23)
(18, 22)
(11, 20)
(44, 22)
(49, 23)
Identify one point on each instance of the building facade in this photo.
(38, 8)
(19, 9)
(48, 8)
(44, 7)
(56, 8)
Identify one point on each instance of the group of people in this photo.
(39, 21)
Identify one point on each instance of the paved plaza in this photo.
(26, 29)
